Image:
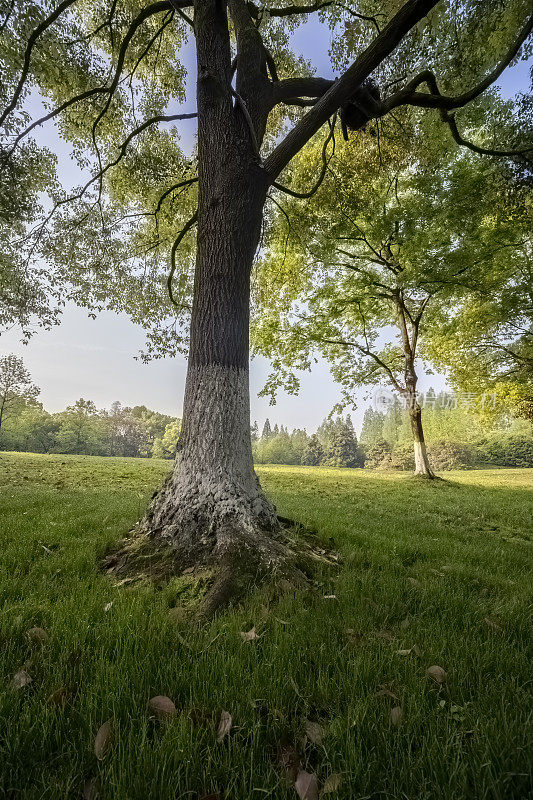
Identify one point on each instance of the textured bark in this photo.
(422, 466)
(212, 506)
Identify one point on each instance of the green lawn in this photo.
(443, 566)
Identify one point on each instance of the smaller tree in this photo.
(313, 454)
(378, 454)
(165, 446)
(16, 387)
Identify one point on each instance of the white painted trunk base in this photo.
(213, 494)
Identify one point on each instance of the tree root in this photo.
(249, 558)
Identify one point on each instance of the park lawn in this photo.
(444, 567)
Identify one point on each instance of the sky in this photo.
(96, 359)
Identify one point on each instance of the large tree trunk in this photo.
(212, 506)
(213, 502)
(422, 466)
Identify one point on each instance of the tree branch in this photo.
(186, 228)
(325, 163)
(435, 99)
(41, 28)
(343, 89)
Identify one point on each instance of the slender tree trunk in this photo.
(422, 466)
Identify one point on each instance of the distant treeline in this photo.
(457, 436)
(84, 429)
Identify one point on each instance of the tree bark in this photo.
(422, 466)
(212, 505)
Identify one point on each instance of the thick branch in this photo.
(343, 89)
(325, 162)
(435, 99)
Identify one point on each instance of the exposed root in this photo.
(249, 557)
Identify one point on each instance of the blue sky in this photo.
(95, 359)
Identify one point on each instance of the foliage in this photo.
(16, 387)
(82, 428)
(165, 446)
(313, 455)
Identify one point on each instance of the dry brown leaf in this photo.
(290, 761)
(306, 786)
(331, 784)
(90, 789)
(330, 597)
(437, 674)
(386, 692)
(162, 708)
(403, 652)
(314, 731)
(21, 679)
(493, 624)
(177, 614)
(404, 623)
(104, 739)
(414, 582)
(37, 635)
(249, 636)
(396, 715)
(60, 697)
(387, 635)
(224, 726)
(108, 606)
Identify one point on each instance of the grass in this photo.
(445, 566)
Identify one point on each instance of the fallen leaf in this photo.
(353, 636)
(387, 635)
(396, 715)
(162, 708)
(415, 583)
(331, 784)
(330, 597)
(104, 740)
(437, 674)
(224, 726)
(60, 697)
(314, 731)
(386, 692)
(21, 679)
(290, 761)
(90, 789)
(493, 624)
(37, 635)
(306, 786)
(188, 571)
(249, 636)
(108, 606)
(403, 652)
(404, 623)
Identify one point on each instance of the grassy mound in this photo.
(431, 573)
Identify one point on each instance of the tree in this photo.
(377, 454)
(241, 154)
(267, 430)
(342, 449)
(313, 454)
(79, 429)
(16, 387)
(372, 428)
(165, 447)
(376, 265)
